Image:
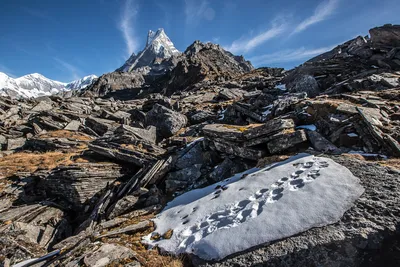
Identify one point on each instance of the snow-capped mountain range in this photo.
(35, 85)
(159, 48)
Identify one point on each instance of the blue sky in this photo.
(65, 40)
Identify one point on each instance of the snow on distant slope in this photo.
(35, 85)
(257, 207)
(158, 46)
(81, 83)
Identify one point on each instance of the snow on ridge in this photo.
(35, 85)
(256, 207)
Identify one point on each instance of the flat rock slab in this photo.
(257, 207)
(241, 133)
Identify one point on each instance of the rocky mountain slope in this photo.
(301, 165)
(35, 85)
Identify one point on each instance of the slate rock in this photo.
(15, 143)
(106, 254)
(167, 121)
(320, 143)
(304, 84)
(286, 141)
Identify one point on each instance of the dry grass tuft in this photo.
(30, 162)
(272, 159)
(66, 134)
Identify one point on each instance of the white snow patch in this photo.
(352, 134)
(281, 87)
(278, 201)
(267, 110)
(310, 127)
(221, 114)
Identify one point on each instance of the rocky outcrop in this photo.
(202, 62)
(114, 81)
(166, 121)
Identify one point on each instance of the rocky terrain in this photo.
(82, 176)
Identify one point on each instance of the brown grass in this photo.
(66, 134)
(394, 163)
(272, 159)
(147, 257)
(30, 162)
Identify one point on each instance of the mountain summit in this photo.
(156, 58)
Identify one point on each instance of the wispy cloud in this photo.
(128, 15)
(289, 55)
(75, 72)
(244, 45)
(37, 14)
(322, 12)
(197, 10)
(7, 71)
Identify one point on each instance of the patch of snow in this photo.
(281, 87)
(267, 110)
(221, 114)
(375, 67)
(256, 207)
(310, 127)
(352, 134)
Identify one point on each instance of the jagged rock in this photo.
(201, 116)
(189, 158)
(123, 205)
(226, 169)
(304, 84)
(78, 184)
(167, 121)
(107, 254)
(320, 143)
(100, 126)
(43, 106)
(241, 133)
(114, 81)
(285, 141)
(127, 149)
(203, 61)
(232, 148)
(387, 35)
(73, 125)
(148, 134)
(182, 178)
(15, 143)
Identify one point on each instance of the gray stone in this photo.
(306, 84)
(15, 143)
(286, 141)
(320, 143)
(106, 254)
(167, 121)
(73, 125)
(185, 177)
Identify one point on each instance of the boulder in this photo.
(387, 35)
(77, 184)
(182, 178)
(320, 143)
(167, 121)
(15, 143)
(304, 84)
(107, 254)
(285, 141)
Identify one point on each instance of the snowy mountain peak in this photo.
(158, 46)
(35, 85)
(81, 83)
